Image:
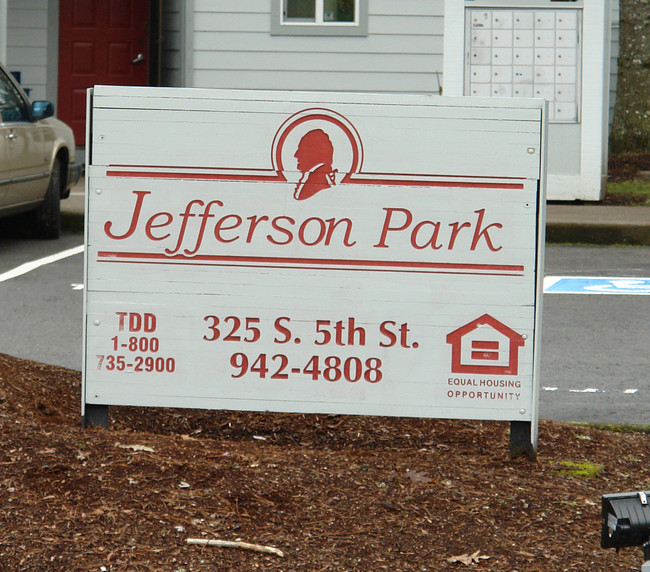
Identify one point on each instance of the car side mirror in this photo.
(42, 109)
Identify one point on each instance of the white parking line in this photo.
(29, 266)
(552, 388)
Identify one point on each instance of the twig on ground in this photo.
(235, 544)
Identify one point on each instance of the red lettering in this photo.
(222, 225)
(432, 241)
(303, 226)
(332, 224)
(275, 223)
(186, 215)
(134, 218)
(484, 233)
(387, 225)
(149, 323)
(385, 331)
(254, 221)
(186, 231)
(136, 322)
(204, 216)
(150, 225)
(455, 229)
(121, 316)
(282, 329)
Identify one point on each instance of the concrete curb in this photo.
(597, 224)
(598, 234)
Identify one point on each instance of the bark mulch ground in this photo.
(330, 492)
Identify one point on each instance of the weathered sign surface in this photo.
(314, 252)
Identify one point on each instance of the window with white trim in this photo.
(320, 17)
(319, 11)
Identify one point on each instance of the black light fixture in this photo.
(626, 521)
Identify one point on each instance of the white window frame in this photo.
(318, 27)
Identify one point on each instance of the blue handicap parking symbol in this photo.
(587, 285)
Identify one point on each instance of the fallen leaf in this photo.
(468, 559)
(135, 447)
(418, 477)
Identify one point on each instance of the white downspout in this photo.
(3, 31)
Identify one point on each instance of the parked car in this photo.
(37, 159)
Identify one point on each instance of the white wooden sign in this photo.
(312, 253)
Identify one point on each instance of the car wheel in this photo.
(47, 217)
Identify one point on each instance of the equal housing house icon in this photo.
(485, 346)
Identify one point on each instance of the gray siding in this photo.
(172, 43)
(232, 47)
(27, 36)
(228, 43)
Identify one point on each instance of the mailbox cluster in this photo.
(526, 53)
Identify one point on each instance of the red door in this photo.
(100, 43)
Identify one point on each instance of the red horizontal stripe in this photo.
(452, 184)
(481, 345)
(298, 262)
(202, 176)
(380, 179)
(492, 356)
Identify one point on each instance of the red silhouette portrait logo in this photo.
(315, 156)
(316, 150)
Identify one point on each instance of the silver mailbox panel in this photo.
(526, 53)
